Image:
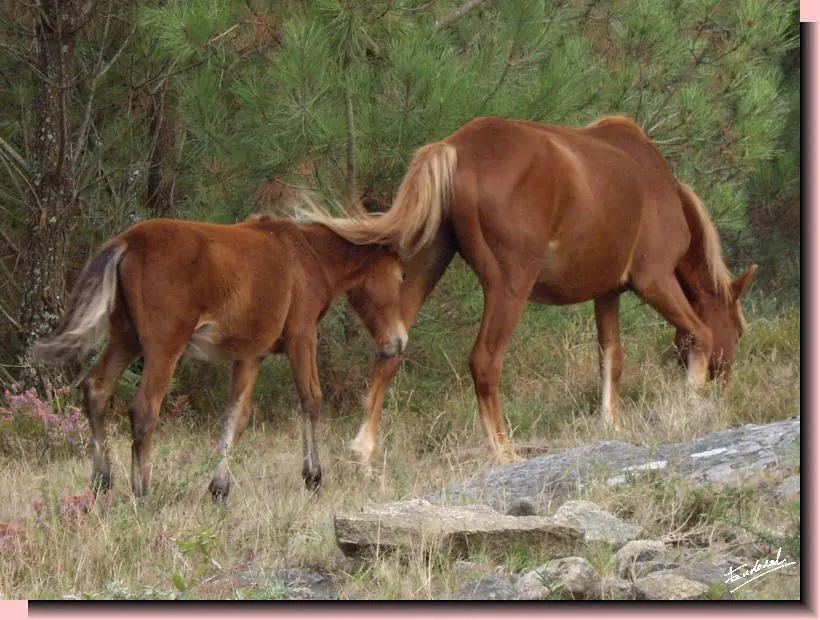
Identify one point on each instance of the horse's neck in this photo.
(342, 260)
(696, 281)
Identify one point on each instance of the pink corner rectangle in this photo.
(809, 10)
(12, 610)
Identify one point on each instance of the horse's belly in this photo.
(574, 278)
(558, 295)
(212, 342)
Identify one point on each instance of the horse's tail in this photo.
(89, 305)
(705, 237)
(418, 211)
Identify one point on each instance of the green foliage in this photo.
(262, 90)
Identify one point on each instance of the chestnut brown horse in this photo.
(228, 292)
(554, 215)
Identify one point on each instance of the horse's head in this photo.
(377, 301)
(725, 318)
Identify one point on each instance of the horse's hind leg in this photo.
(364, 443)
(501, 315)
(144, 414)
(301, 352)
(611, 354)
(667, 297)
(245, 373)
(123, 347)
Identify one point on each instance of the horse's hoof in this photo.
(359, 455)
(219, 490)
(101, 482)
(313, 480)
(510, 458)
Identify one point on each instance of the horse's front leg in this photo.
(610, 354)
(245, 373)
(301, 351)
(422, 275)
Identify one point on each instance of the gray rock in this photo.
(789, 488)
(616, 590)
(409, 524)
(521, 507)
(571, 577)
(307, 583)
(487, 589)
(642, 569)
(633, 552)
(598, 525)
(668, 586)
(465, 566)
(546, 480)
(704, 572)
(722, 457)
(531, 586)
(301, 583)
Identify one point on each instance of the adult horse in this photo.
(228, 292)
(555, 215)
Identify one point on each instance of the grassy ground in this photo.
(177, 543)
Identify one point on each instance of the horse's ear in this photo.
(740, 285)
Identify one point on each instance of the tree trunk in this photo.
(50, 197)
(162, 169)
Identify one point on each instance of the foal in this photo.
(229, 292)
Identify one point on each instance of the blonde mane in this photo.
(720, 276)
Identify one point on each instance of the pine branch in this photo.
(9, 241)
(101, 69)
(14, 164)
(451, 18)
(507, 65)
(351, 147)
(10, 318)
(13, 153)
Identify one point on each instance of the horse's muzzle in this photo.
(394, 348)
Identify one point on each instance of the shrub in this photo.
(32, 426)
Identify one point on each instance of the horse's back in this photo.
(233, 280)
(583, 200)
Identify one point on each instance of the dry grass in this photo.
(177, 543)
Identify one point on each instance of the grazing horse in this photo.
(230, 293)
(554, 215)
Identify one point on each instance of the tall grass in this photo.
(177, 544)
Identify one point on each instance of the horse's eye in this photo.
(403, 275)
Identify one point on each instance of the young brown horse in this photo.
(554, 215)
(235, 292)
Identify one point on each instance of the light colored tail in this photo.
(417, 213)
(713, 255)
(91, 301)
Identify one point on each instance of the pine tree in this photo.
(50, 148)
(193, 107)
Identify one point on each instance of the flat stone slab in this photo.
(668, 586)
(411, 524)
(599, 525)
(788, 488)
(722, 457)
(487, 589)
